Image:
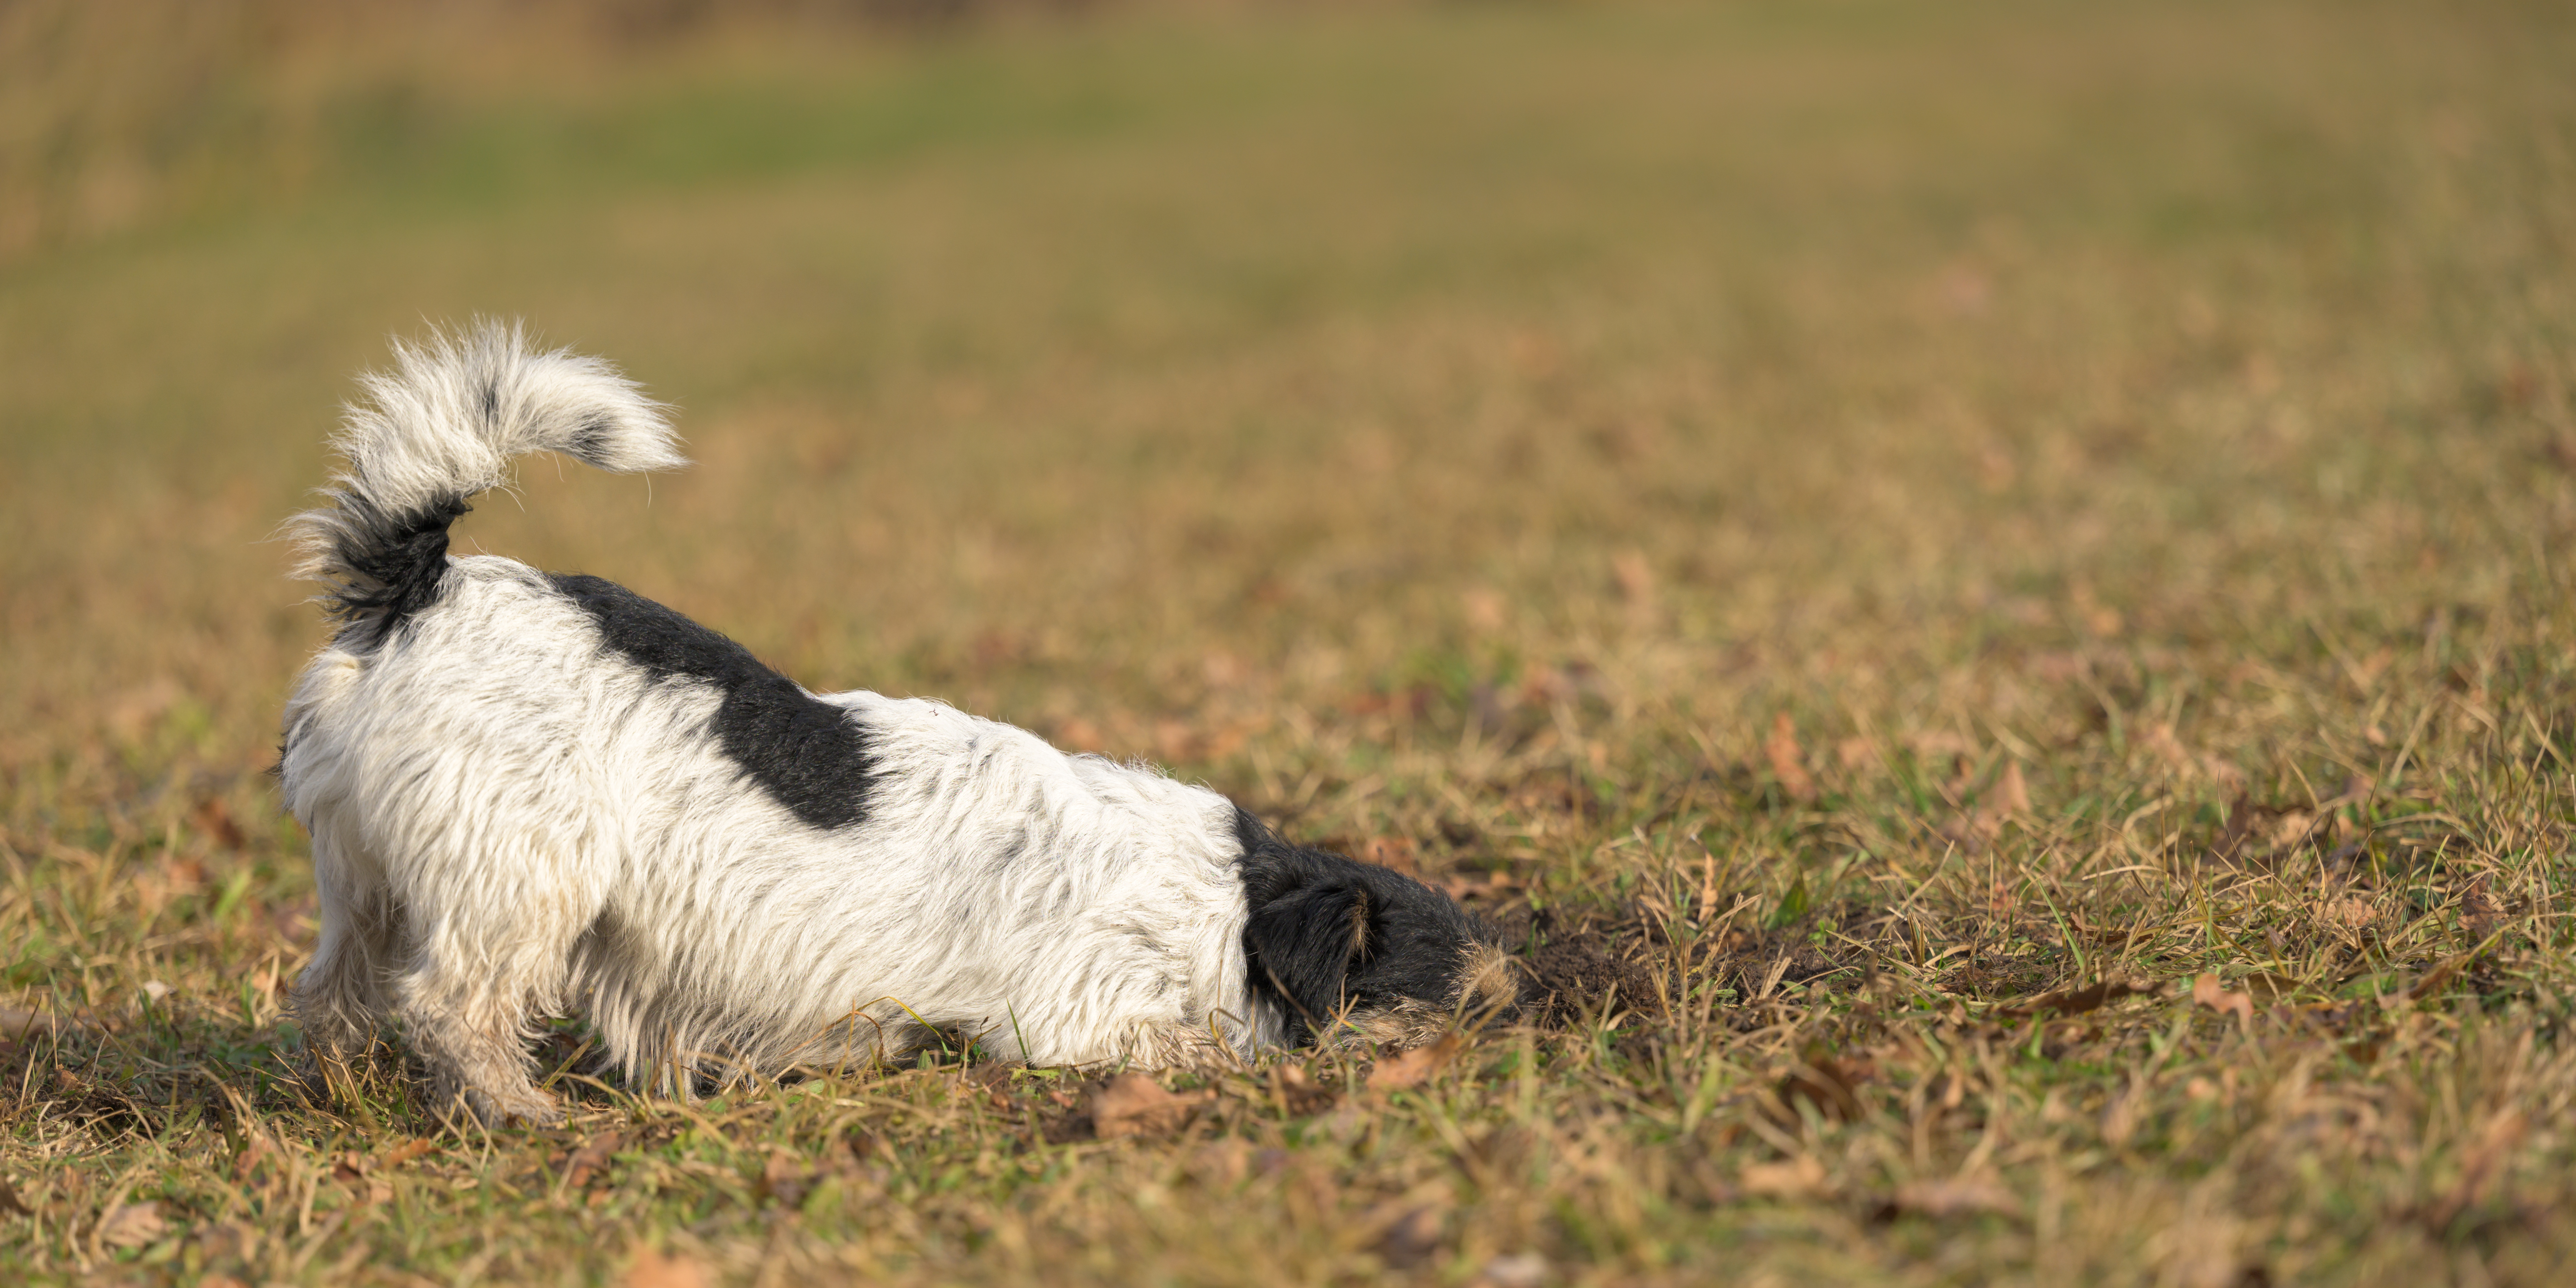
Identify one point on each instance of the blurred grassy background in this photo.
(1377, 410)
(1290, 328)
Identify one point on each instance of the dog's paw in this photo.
(497, 1110)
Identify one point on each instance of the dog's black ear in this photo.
(1302, 944)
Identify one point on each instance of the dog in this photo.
(532, 792)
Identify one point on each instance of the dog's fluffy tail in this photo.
(444, 424)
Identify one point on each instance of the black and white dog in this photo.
(530, 791)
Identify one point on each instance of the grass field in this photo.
(1983, 589)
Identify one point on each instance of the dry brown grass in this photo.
(1985, 591)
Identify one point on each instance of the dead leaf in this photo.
(131, 1225)
(1135, 1105)
(2011, 795)
(1788, 761)
(591, 1159)
(2075, 1001)
(2479, 913)
(1414, 1067)
(1080, 735)
(133, 713)
(10, 1202)
(652, 1269)
(2479, 1167)
(1635, 577)
(1957, 1196)
(1788, 1179)
(2120, 1117)
(16, 1022)
(407, 1151)
(785, 1179)
(352, 1170)
(215, 819)
(1221, 1163)
(2207, 991)
(2440, 975)
(1411, 1236)
(1393, 852)
(1825, 1082)
(1300, 1093)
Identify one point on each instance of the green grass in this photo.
(1840, 520)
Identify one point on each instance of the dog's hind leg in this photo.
(487, 964)
(340, 999)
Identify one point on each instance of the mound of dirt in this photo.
(1579, 965)
(1580, 961)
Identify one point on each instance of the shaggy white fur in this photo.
(529, 792)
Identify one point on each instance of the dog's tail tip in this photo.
(487, 385)
(444, 423)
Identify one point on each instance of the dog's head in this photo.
(1333, 942)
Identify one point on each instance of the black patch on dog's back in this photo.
(1327, 932)
(808, 754)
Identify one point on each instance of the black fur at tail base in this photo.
(397, 563)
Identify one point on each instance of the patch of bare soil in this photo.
(1580, 962)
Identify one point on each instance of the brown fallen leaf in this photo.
(1788, 1179)
(356, 1172)
(785, 1179)
(215, 819)
(2479, 1168)
(1135, 1105)
(407, 1151)
(1411, 1236)
(133, 713)
(1220, 1163)
(10, 1203)
(591, 1159)
(18, 1022)
(2207, 991)
(652, 1269)
(1414, 1067)
(2075, 1001)
(2010, 795)
(1398, 853)
(1825, 1082)
(1301, 1093)
(1788, 761)
(2440, 975)
(1957, 1196)
(1636, 578)
(131, 1225)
